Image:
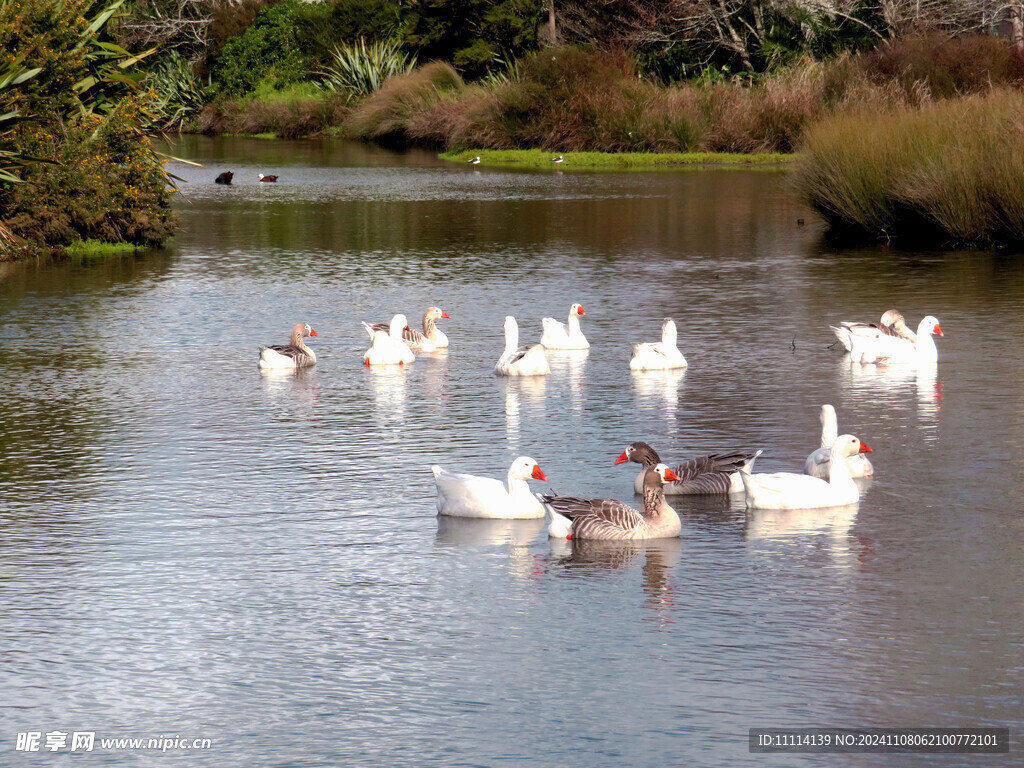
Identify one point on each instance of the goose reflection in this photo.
(291, 386)
(571, 364)
(894, 384)
(827, 526)
(523, 396)
(658, 390)
(435, 380)
(656, 558)
(388, 384)
(517, 535)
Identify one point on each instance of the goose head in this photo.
(659, 474)
(891, 317)
(301, 330)
(398, 324)
(511, 333)
(848, 445)
(576, 309)
(525, 468)
(930, 325)
(668, 331)
(436, 313)
(639, 452)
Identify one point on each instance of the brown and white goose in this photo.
(293, 355)
(609, 519)
(892, 324)
(703, 476)
(430, 339)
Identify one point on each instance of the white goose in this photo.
(388, 348)
(431, 339)
(890, 349)
(461, 495)
(788, 490)
(293, 355)
(520, 361)
(817, 463)
(659, 355)
(557, 336)
(892, 324)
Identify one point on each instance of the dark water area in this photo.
(190, 548)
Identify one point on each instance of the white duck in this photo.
(890, 349)
(473, 496)
(557, 336)
(432, 338)
(573, 517)
(520, 361)
(817, 463)
(659, 355)
(293, 355)
(892, 324)
(388, 348)
(788, 490)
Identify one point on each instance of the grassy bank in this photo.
(95, 249)
(950, 172)
(536, 158)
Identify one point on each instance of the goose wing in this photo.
(591, 514)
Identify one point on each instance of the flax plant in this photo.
(361, 68)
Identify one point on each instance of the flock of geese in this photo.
(829, 470)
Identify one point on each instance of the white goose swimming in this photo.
(572, 517)
(460, 495)
(520, 361)
(892, 324)
(557, 336)
(788, 490)
(293, 355)
(891, 349)
(388, 348)
(659, 355)
(431, 339)
(817, 464)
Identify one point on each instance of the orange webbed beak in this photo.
(313, 332)
(445, 314)
(670, 475)
(938, 330)
(623, 458)
(537, 474)
(865, 448)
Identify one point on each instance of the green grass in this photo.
(535, 158)
(93, 249)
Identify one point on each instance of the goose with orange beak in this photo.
(571, 517)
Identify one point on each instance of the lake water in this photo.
(191, 549)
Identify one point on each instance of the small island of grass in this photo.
(536, 158)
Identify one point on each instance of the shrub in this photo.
(288, 40)
(385, 114)
(84, 114)
(950, 170)
(360, 68)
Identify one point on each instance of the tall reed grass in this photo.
(951, 170)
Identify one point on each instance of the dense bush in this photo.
(289, 40)
(917, 69)
(951, 170)
(84, 114)
(386, 114)
(476, 36)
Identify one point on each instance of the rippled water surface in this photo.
(190, 548)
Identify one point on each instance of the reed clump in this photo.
(950, 171)
(385, 115)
